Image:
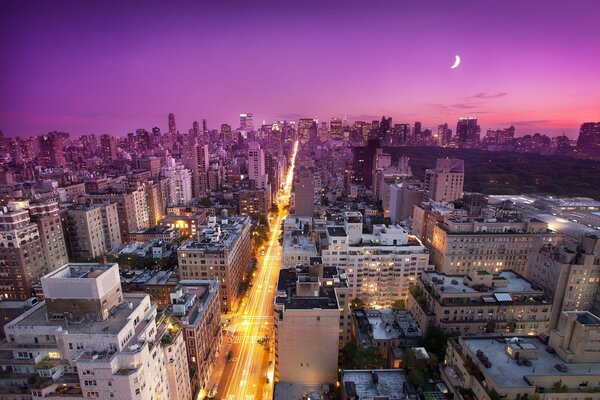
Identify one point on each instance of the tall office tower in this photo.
(91, 231)
(307, 129)
(417, 131)
(467, 131)
(47, 218)
(21, 253)
(51, 151)
(336, 127)
(200, 162)
(381, 266)
(108, 147)
(444, 134)
(568, 274)
(589, 137)
(132, 207)
(445, 181)
(363, 158)
(385, 129)
(401, 133)
(204, 126)
(222, 252)
(304, 196)
(312, 314)
(256, 166)
(89, 340)
(246, 122)
(195, 129)
(154, 199)
(172, 127)
(226, 135)
(180, 183)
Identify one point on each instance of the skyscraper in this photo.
(589, 136)
(246, 122)
(200, 170)
(108, 147)
(444, 135)
(256, 166)
(51, 149)
(172, 127)
(467, 131)
(307, 129)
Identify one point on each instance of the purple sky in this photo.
(112, 67)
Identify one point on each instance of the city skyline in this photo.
(112, 68)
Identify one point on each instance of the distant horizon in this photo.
(519, 131)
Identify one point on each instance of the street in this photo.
(246, 375)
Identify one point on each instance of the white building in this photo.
(180, 184)
(256, 166)
(382, 265)
(88, 340)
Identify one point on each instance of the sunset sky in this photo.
(110, 67)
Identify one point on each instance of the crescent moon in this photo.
(456, 62)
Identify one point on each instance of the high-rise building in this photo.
(47, 218)
(480, 302)
(311, 313)
(381, 266)
(336, 127)
(444, 134)
(589, 136)
(403, 198)
(91, 231)
(304, 196)
(307, 129)
(89, 340)
(246, 122)
(200, 163)
(445, 182)
(496, 242)
(51, 151)
(221, 251)
(180, 183)
(172, 127)
(132, 207)
(417, 131)
(467, 131)
(256, 166)
(363, 158)
(195, 303)
(569, 274)
(21, 255)
(108, 147)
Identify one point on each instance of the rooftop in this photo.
(507, 373)
(80, 271)
(506, 281)
(336, 231)
(298, 244)
(216, 235)
(286, 292)
(373, 325)
(119, 316)
(375, 384)
(154, 230)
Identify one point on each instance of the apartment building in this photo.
(564, 366)
(311, 313)
(221, 251)
(89, 340)
(480, 302)
(195, 303)
(381, 266)
(91, 231)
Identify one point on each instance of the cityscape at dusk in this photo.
(328, 200)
